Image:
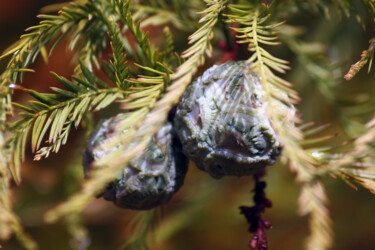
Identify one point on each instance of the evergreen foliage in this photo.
(147, 81)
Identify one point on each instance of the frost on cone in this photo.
(150, 179)
(222, 122)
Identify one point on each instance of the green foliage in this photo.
(57, 113)
(147, 81)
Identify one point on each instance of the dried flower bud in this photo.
(222, 122)
(150, 179)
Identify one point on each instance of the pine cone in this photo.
(150, 179)
(222, 123)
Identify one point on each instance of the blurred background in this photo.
(204, 214)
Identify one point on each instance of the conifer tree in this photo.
(118, 65)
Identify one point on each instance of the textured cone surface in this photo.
(150, 179)
(222, 123)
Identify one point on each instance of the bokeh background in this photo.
(204, 214)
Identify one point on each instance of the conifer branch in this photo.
(151, 54)
(141, 131)
(352, 165)
(313, 58)
(161, 16)
(366, 56)
(57, 113)
(70, 20)
(283, 115)
(76, 19)
(9, 221)
(312, 202)
(147, 92)
(118, 60)
(358, 164)
(181, 14)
